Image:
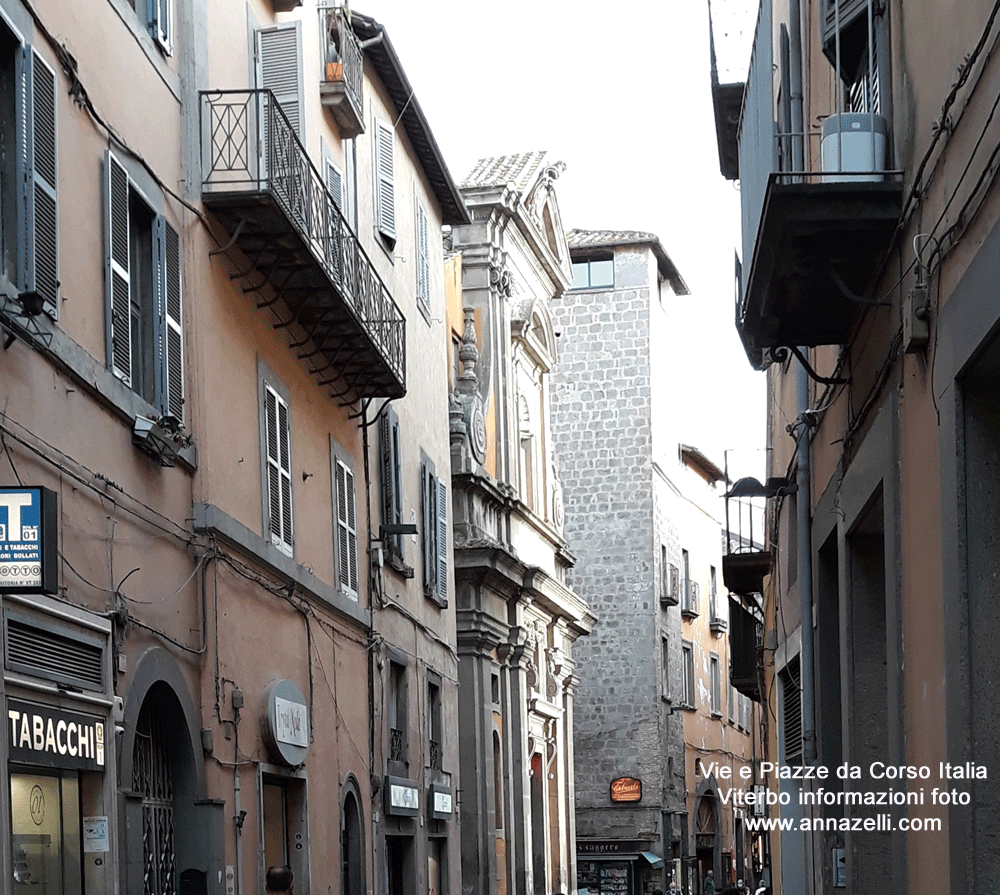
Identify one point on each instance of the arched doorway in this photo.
(352, 845)
(706, 837)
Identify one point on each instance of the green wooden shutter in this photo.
(279, 477)
(441, 506)
(385, 195)
(392, 511)
(428, 528)
(39, 237)
(118, 284)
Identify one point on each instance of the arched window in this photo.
(527, 452)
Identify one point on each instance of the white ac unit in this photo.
(854, 142)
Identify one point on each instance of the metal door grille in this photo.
(151, 778)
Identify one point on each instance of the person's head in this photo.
(278, 880)
(657, 891)
(710, 873)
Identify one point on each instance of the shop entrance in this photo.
(45, 833)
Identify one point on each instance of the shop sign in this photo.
(402, 797)
(286, 722)
(42, 735)
(611, 846)
(442, 803)
(28, 540)
(626, 789)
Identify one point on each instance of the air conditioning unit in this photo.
(854, 142)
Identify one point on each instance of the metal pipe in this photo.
(804, 473)
(237, 808)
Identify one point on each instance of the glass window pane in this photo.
(602, 273)
(580, 276)
(36, 834)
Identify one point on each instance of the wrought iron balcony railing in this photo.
(261, 184)
(343, 79)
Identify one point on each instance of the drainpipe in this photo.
(804, 474)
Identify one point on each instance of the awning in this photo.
(655, 861)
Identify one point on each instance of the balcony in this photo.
(811, 239)
(262, 187)
(342, 85)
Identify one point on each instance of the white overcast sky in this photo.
(621, 93)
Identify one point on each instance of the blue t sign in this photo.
(27, 540)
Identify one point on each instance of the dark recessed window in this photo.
(595, 274)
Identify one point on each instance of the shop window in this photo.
(45, 833)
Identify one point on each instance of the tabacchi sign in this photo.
(626, 789)
(28, 540)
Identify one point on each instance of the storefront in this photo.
(58, 749)
(617, 866)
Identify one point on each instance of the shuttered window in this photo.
(423, 259)
(391, 481)
(347, 529)
(161, 24)
(385, 191)
(716, 684)
(279, 470)
(791, 712)
(279, 69)
(143, 295)
(435, 536)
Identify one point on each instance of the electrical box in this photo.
(916, 319)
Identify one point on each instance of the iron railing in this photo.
(249, 146)
(344, 60)
(397, 745)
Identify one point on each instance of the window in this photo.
(434, 731)
(279, 69)
(385, 196)
(731, 702)
(690, 589)
(791, 712)
(157, 16)
(397, 711)
(391, 482)
(435, 535)
(335, 184)
(143, 295)
(498, 783)
(716, 671)
(665, 668)
(277, 462)
(347, 528)
(687, 650)
(423, 260)
(28, 177)
(595, 274)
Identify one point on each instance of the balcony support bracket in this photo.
(780, 354)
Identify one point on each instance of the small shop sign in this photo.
(402, 797)
(28, 540)
(626, 789)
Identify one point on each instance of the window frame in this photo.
(715, 684)
(268, 382)
(164, 338)
(340, 462)
(588, 262)
(687, 674)
(422, 247)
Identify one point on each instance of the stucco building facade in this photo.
(880, 630)
(222, 317)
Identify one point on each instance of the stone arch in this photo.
(352, 826)
(707, 806)
(172, 830)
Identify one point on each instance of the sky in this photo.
(620, 92)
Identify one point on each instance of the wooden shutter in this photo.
(170, 340)
(161, 24)
(279, 476)
(335, 184)
(385, 196)
(39, 235)
(347, 531)
(279, 59)
(423, 261)
(392, 510)
(441, 506)
(118, 284)
(429, 529)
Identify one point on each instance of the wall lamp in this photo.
(749, 486)
(391, 531)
